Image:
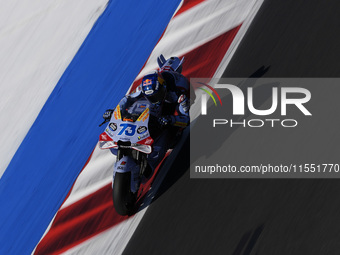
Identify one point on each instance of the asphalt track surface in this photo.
(256, 216)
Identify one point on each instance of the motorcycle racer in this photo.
(167, 94)
(168, 91)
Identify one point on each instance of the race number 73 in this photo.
(128, 129)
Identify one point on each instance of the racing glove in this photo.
(107, 114)
(165, 121)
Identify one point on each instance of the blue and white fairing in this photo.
(129, 123)
(128, 129)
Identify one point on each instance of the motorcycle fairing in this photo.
(123, 128)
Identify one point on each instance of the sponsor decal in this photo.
(142, 137)
(147, 82)
(166, 68)
(113, 126)
(104, 137)
(148, 141)
(142, 129)
(109, 131)
(144, 115)
(127, 129)
(160, 80)
(127, 119)
(184, 103)
(180, 124)
(116, 113)
(123, 163)
(149, 92)
(181, 98)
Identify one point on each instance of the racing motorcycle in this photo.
(127, 135)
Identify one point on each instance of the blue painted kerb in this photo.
(64, 134)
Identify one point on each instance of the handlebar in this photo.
(103, 122)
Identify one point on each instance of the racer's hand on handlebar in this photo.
(165, 121)
(107, 114)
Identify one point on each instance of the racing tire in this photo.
(123, 199)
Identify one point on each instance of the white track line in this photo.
(197, 26)
(38, 40)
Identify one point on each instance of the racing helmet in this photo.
(153, 87)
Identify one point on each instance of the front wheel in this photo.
(123, 199)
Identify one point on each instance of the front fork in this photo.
(128, 164)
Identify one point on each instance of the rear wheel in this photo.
(123, 199)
